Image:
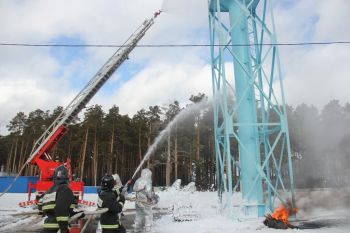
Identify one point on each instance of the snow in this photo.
(203, 206)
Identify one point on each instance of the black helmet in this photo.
(107, 183)
(61, 173)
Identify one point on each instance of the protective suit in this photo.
(108, 198)
(145, 199)
(58, 202)
(118, 183)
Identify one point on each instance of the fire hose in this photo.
(72, 218)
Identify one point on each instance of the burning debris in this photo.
(275, 223)
(279, 218)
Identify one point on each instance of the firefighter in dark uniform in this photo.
(58, 203)
(114, 201)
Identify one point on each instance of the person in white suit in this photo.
(145, 199)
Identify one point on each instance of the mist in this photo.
(320, 142)
(321, 145)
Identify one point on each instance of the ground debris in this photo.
(277, 224)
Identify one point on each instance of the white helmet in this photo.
(146, 174)
(144, 182)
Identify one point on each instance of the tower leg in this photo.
(249, 152)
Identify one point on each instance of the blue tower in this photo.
(252, 143)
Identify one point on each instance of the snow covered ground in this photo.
(321, 206)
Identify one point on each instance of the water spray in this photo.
(163, 133)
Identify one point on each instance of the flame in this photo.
(282, 213)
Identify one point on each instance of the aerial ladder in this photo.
(40, 154)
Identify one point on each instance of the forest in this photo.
(109, 142)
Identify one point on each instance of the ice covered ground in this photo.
(202, 208)
(205, 204)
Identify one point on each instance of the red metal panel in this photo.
(56, 137)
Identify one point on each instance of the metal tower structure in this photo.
(250, 120)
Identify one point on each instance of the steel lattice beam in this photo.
(250, 118)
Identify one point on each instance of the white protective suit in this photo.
(118, 182)
(145, 198)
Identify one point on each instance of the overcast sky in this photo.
(44, 77)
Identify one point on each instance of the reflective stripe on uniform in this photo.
(49, 207)
(110, 226)
(72, 206)
(62, 218)
(121, 203)
(51, 225)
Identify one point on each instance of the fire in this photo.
(279, 219)
(282, 213)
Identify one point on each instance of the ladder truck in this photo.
(40, 154)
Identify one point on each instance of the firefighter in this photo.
(58, 203)
(145, 200)
(114, 201)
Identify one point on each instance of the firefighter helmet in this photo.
(107, 183)
(61, 173)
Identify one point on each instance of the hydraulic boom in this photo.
(40, 153)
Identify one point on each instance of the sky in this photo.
(45, 77)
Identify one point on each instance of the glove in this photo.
(152, 198)
(130, 182)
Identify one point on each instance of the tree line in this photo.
(110, 142)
